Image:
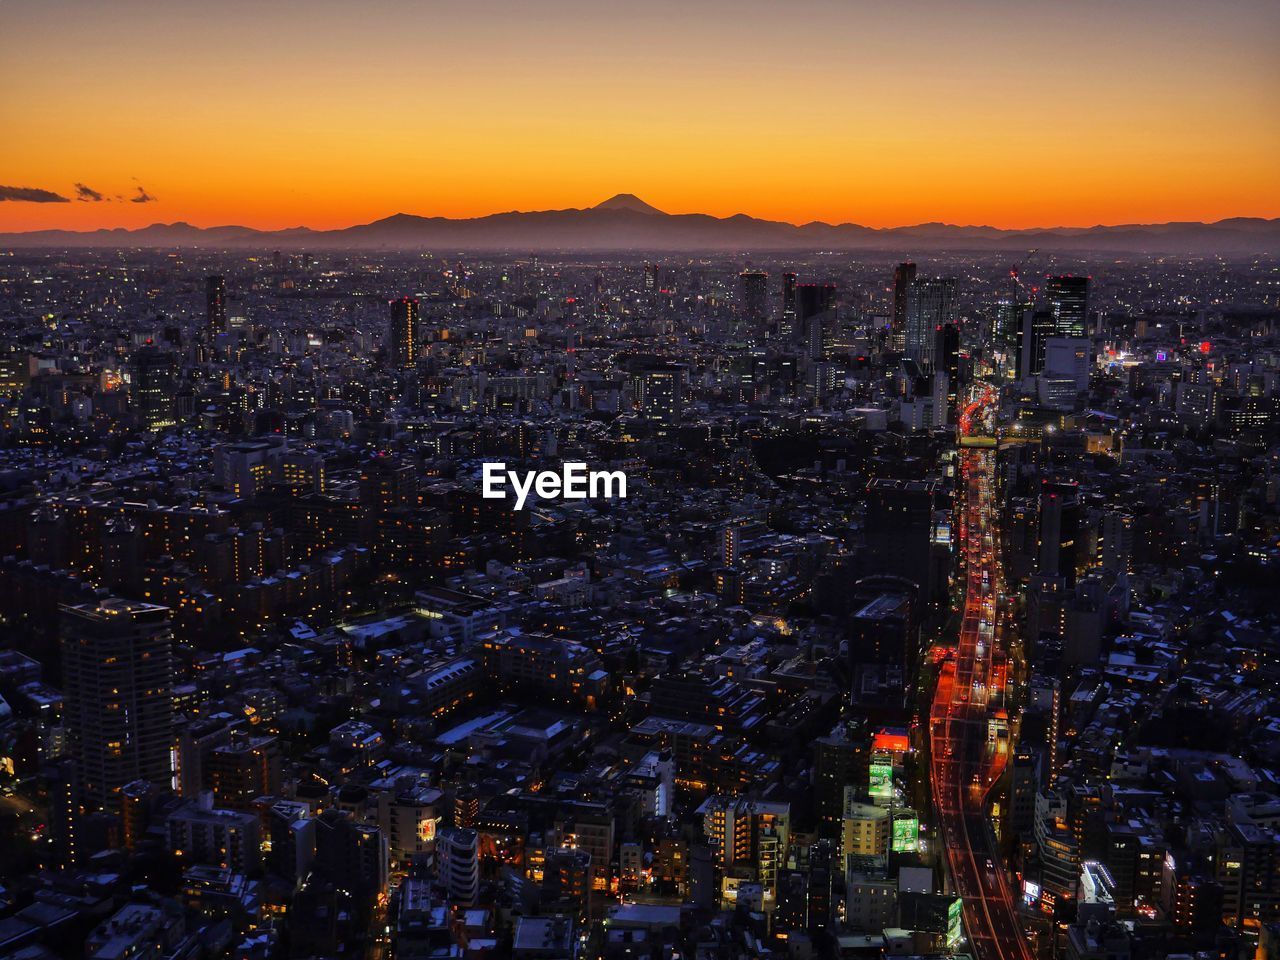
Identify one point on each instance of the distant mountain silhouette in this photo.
(627, 201)
(626, 223)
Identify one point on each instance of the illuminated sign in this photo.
(906, 834)
(890, 741)
(955, 929)
(881, 780)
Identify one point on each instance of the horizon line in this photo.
(652, 211)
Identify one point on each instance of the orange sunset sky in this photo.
(282, 113)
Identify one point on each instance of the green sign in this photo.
(955, 928)
(881, 786)
(906, 833)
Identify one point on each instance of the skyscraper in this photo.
(754, 297)
(904, 274)
(1036, 329)
(815, 314)
(930, 305)
(787, 324)
(154, 381)
(948, 363)
(402, 334)
(215, 305)
(117, 664)
(1059, 526)
(1068, 299)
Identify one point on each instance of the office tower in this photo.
(402, 333)
(754, 293)
(351, 854)
(883, 629)
(815, 315)
(930, 305)
(215, 305)
(948, 353)
(117, 664)
(899, 529)
(1068, 299)
(458, 864)
(1067, 359)
(1007, 331)
(1036, 328)
(904, 274)
(154, 378)
(1059, 527)
(787, 324)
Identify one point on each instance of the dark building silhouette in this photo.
(1059, 530)
(904, 274)
(754, 292)
(215, 305)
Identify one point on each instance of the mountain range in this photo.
(626, 223)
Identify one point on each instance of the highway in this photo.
(966, 757)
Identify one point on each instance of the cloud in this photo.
(31, 195)
(142, 197)
(88, 194)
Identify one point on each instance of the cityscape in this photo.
(860, 541)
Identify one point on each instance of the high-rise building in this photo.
(899, 528)
(154, 377)
(787, 323)
(117, 664)
(1036, 328)
(402, 334)
(1068, 299)
(351, 853)
(930, 305)
(1059, 528)
(904, 274)
(215, 305)
(948, 363)
(815, 315)
(754, 293)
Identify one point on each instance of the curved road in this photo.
(966, 760)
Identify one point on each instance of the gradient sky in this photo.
(279, 113)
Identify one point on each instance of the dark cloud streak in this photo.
(142, 197)
(31, 195)
(88, 194)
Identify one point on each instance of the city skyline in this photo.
(981, 113)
